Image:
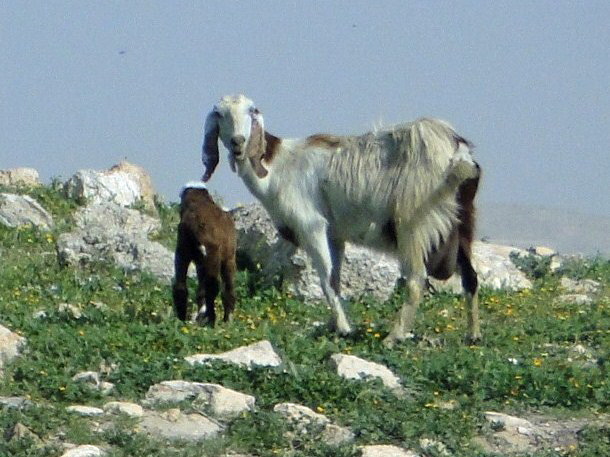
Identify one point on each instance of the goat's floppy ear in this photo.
(209, 151)
(256, 148)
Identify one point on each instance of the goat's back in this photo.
(385, 176)
(206, 222)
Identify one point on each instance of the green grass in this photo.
(136, 331)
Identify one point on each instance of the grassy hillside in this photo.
(525, 365)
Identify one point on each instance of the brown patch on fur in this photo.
(323, 140)
(272, 146)
(261, 146)
(257, 165)
(465, 198)
(203, 223)
(457, 249)
(441, 263)
(255, 149)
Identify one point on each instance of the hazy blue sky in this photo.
(86, 84)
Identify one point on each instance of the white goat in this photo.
(406, 191)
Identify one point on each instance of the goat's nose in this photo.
(238, 141)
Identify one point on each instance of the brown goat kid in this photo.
(206, 236)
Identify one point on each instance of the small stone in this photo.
(386, 450)
(88, 411)
(106, 387)
(20, 432)
(174, 425)
(11, 345)
(85, 450)
(15, 402)
(352, 367)
(335, 435)
(89, 377)
(259, 354)
(434, 446)
(575, 299)
(70, 309)
(584, 286)
(506, 420)
(223, 403)
(300, 415)
(41, 314)
(128, 409)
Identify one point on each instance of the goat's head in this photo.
(239, 125)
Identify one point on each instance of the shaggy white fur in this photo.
(393, 190)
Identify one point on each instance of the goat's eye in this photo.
(254, 110)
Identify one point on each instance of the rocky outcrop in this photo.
(111, 232)
(364, 272)
(124, 184)
(22, 210)
(494, 268)
(16, 177)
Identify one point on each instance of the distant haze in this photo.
(87, 84)
(568, 232)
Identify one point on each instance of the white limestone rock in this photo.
(124, 184)
(385, 450)
(23, 210)
(21, 176)
(87, 411)
(11, 346)
(174, 425)
(222, 403)
(352, 367)
(126, 408)
(85, 450)
(260, 354)
(306, 421)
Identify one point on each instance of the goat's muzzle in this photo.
(237, 145)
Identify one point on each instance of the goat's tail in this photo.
(436, 212)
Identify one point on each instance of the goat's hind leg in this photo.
(415, 279)
(471, 291)
(227, 273)
(207, 290)
(179, 287)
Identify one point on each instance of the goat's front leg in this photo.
(320, 251)
(415, 279)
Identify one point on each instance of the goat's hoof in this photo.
(341, 330)
(393, 338)
(472, 340)
(203, 320)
